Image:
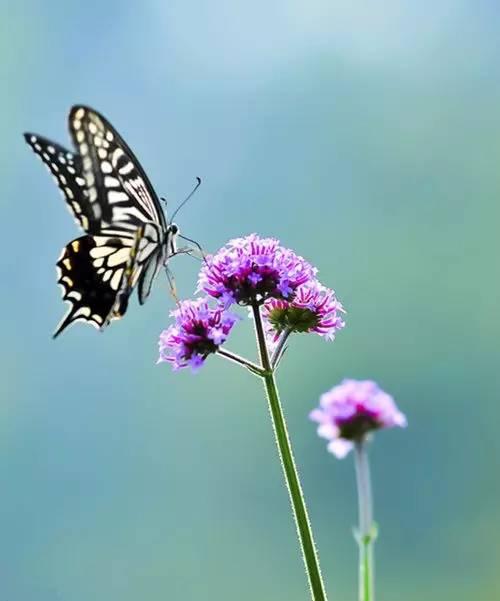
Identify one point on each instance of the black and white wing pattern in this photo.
(98, 274)
(91, 291)
(128, 239)
(119, 189)
(119, 186)
(66, 169)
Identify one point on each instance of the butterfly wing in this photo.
(148, 275)
(128, 238)
(119, 189)
(98, 274)
(153, 247)
(146, 258)
(117, 181)
(91, 271)
(66, 168)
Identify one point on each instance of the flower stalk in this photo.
(256, 369)
(280, 348)
(347, 415)
(281, 289)
(366, 533)
(300, 514)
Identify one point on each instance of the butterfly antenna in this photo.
(198, 184)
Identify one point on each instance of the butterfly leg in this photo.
(171, 284)
(170, 276)
(198, 248)
(188, 250)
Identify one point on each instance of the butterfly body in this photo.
(127, 238)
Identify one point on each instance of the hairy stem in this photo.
(300, 515)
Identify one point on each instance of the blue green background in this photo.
(366, 136)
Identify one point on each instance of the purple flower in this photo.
(349, 411)
(197, 332)
(251, 270)
(313, 308)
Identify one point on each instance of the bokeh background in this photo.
(366, 136)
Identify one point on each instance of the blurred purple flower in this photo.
(253, 269)
(313, 308)
(349, 411)
(198, 331)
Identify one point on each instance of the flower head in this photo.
(349, 411)
(313, 308)
(253, 269)
(198, 331)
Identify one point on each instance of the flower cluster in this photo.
(252, 269)
(198, 331)
(313, 308)
(349, 411)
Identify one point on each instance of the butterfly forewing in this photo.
(66, 169)
(118, 187)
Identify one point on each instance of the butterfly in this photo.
(127, 238)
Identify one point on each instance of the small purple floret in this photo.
(314, 308)
(198, 331)
(252, 269)
(349, 411)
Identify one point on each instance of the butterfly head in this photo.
(172, 234)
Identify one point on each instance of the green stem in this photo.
(280, 348)
(366, 534)
(256, 369)
(301, 517)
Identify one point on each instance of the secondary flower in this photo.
(198, 331)
(251, 270)
(349, 411)
(313, 308)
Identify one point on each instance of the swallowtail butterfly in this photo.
(127, 238)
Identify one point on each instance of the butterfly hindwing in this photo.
(91, 271)
(151, 256)
(119, 189)
(146, 257)
(66, 169)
